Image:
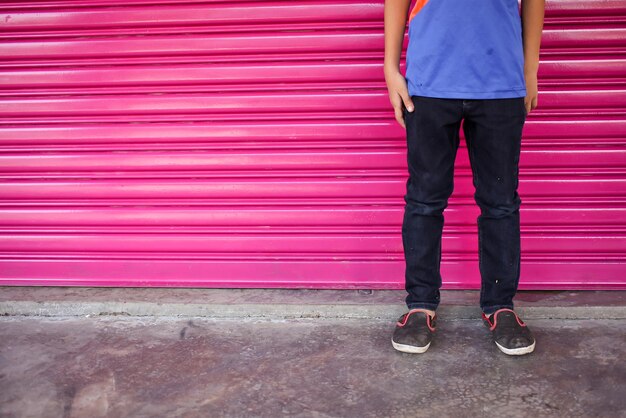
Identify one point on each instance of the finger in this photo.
(408, 103)
(399, 116)
(396, 102)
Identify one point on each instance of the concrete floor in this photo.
(172, 367)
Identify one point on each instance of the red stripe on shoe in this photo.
(495, 318)
(428, 318)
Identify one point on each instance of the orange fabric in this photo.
(418, 6)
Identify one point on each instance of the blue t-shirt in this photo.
(465, 49)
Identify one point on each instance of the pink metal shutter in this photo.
(251, 144)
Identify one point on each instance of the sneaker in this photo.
(414, 331)
(509, 332)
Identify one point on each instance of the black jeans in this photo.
(493, 132)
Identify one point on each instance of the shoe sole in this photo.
(517, 351)
(409, 348)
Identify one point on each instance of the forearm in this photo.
(532, 26)
(396, 12)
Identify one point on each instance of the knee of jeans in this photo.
(498, 208)
(426, 208)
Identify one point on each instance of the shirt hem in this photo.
(499, 94)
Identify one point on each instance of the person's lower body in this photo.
(493, 132)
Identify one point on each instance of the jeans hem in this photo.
(422, 305)
(488, 310)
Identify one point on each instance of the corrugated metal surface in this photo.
(212, 143)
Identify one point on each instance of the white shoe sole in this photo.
(517, 351)
(409, 348)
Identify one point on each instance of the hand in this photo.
(398, 95)
(532, 91)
